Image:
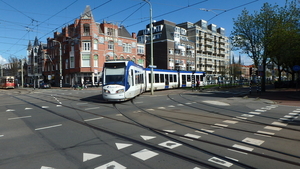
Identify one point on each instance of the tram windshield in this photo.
(114, 73)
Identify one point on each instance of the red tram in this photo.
(7, 82)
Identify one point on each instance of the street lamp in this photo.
(151, 45)
(60, 64)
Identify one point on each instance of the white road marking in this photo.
(242, 147)
(259, 110)
(10, 110)
(252, 112)
(247, 115)
(1, 135)
(92, 108)
(148, 137)
(28, 108)
(180, 105)
(209, 131)
(293, 114)
(243, 118)
(80, 103)
(192, 136)
(221, 125)
(253, 141)
(279, 124)
(216, 103)
(42, 128)
(273, 128)
(161, 108)
(45, 167)
(45, 107)
(170, 131)
(150, 109)
(264, 132)
(15, 118)
(112, 165)
(122, 145)
(98, 118)
(119, 114)
(144, 154)
(58, 105)
(220, 162)
(296, 111)
(230, 121)
(89, 156)
(232, 158)
(171, 106)
(170, 144)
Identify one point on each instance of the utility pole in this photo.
(151, 45)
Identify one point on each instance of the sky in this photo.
(21, 21)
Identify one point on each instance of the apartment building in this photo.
(188, 46)
(84, 46)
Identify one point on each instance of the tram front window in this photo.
(114, 76)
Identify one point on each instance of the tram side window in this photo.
(156, 78)
(149, 77)
(171, 78)
(198, 77)
(175, 78)
(188, 78)
(167, 79)
(183, 77)
(201, 77)
(162, 79)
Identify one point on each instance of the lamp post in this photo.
(151, 45)
(60, 64)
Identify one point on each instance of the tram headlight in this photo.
(106, 91)
(120, 91)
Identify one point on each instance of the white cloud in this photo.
(2, 60)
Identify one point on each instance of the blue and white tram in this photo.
(122, 80)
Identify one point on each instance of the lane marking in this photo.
(220, 125)
(1, 135)
(89, 156)
(252, 112)
(259, 110)
(119, 114)
(28, 108)
(91, 108)
(209, 131)
(15, 118)
(10, 110)
(98, 118)
(58, 105)
(232, 158)
(45, 167)
(150, 109)
(262, 135)
(216, 103)
(279, 124)
(293, 114)
(42, 128)
(192, 135)
(230, 121)
(170, 144)
(220, 162)
(144, 154)
(147, 137)
(264, 132)
(253, 141)
(161, 108)
(112, 165)
(45, 107)
(171, 106)
(122, 145)
(247, 115)
(243, 147)
(273, 128)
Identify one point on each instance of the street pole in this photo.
(22, 73)
(151, 46)
(60, 64)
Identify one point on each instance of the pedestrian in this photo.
(197, 84)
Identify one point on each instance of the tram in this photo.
(7, 82)
(123, 80)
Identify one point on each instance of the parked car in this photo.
(45, 86)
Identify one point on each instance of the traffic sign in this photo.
(296, 68)
(152, 66)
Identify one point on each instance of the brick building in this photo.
(84, 46)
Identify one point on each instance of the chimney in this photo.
(133, 35)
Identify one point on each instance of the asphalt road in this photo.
(178, 129)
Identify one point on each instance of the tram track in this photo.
(162, 133)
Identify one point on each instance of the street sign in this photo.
(296, 68)
(152, 66)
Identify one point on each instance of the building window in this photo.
(95, 60)
(95, 44)
(85, 60)
(107, 57)
(140, 49)
(171, 52)
(72, 62)
(86, 46)
(110, 45)
(86, 30)
(126, 47)
(67, 64)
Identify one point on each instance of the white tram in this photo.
(123, 80)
